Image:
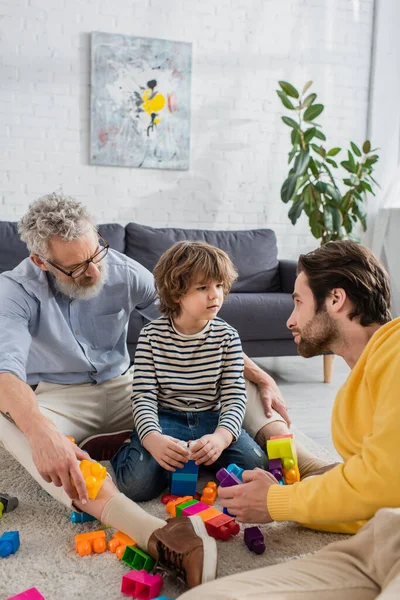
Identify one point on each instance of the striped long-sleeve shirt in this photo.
(188, 373)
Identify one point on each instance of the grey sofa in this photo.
(260, 301)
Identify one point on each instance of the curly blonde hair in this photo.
(184, 263)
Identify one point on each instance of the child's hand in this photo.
(166, 451)
(209, 447)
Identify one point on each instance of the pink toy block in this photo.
(31, 594)
(141, 585)
(194, 509)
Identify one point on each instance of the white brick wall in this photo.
(239, 144)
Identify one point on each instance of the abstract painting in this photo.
(140, 102)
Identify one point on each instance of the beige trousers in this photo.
(84, 410)
(363, 567)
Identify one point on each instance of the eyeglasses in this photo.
(82, 268)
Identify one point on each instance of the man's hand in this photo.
(248, 501)
(57, 460)
(166, 451)
(271, 397)
(210, 447)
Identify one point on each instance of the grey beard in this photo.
(76, 291)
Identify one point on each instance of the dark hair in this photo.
(354, 268)
(182, 264)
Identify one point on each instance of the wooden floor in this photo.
(309, 399)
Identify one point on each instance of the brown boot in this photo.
(184, 547)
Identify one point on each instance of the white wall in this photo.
(239, 144)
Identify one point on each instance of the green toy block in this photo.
(1, 509)
(137, 559)
(180, 507)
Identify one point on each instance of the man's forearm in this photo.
(18, 403)
(253, 373)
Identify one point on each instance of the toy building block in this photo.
(31, 594)
(167, 498)
(119, 542)
(222, 527)
(172, 504)
(275, 468)
(94, 474)
(184, 480)
(9, 543)
(194, 509)
(181, 507)
(283, 447)
(227, 479)
(210, 493)
(238, 471)
(141, 585)
(77, 517)
(137, 559)
(254, 540)
(7, 503)
(208, 514)
(226, 512)
(86, 543)
(71, 439)
(163, 598)
(197, 496)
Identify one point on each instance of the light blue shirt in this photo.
(46, 336)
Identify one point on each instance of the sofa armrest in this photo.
(288, 274)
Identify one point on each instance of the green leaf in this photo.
(288, 188)
(334, 193)
(347, 182)
(348, 166)
(313, 168)
(290, 122)
(319, 149)
(327, 169)
(351, 160)
(315, 225)
(301, 163)
(355, 149)
(333, 151)
(285, 100)
(312, 112)
(366, 147)
(309, 134)
(332, 162)
(309, 100)
(295, 137)
(366, 187)
(305, 88)
(320, 135)
(321, 186)
(292, 154)
(328, 217)
(289, 89)
(296, 210)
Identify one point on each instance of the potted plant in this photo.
(333, 208)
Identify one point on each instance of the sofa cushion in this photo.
(253, 252)
(13, 250)
(114, 234)
(258, 316)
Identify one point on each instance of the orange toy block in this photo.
(291, 475)
(119, 542)
(172, 504)
(71, 439)
(94, 474)
(208, 514)
(86, 543)
(210, 493)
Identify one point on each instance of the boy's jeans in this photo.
(141, 478)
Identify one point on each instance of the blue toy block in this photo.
(184, 481)
(76, 517)
(226, 512)
(163, 598)
(9, 543)
(233, 468)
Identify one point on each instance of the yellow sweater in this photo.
(366, 434)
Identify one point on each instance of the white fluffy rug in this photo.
(47, 558)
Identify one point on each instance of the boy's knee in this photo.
(269, 430)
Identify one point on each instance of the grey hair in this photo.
(51, 215)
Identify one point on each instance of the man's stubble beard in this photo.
(318, 336)
(77, 291)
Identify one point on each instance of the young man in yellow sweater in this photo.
(342, 302)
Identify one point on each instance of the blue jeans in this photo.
(141, 478)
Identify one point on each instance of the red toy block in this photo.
(278, 437)
(167, 498)
(31, 594)
(141, 585)
(222, 527)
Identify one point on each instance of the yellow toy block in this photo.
(283, 447)
(94, 474)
